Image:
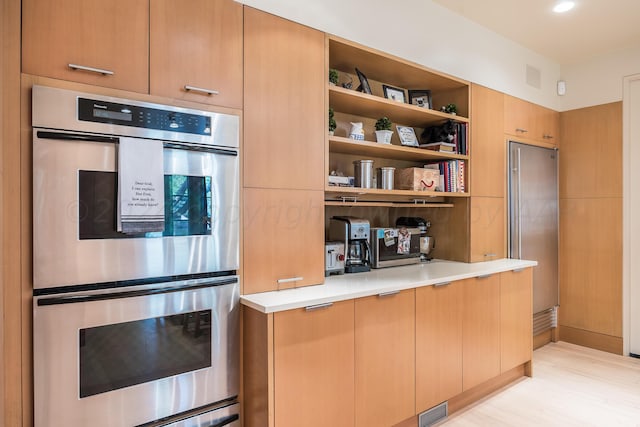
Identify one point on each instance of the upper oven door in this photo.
(74, 213)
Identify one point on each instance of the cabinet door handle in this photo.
(437, 285)
(490, 255)
(291, 279)
(201, 89)
(318, 306)
(485, 276)
(521, 130)
(91, 69)
(545, 136)
(518, 270)
(387, 294)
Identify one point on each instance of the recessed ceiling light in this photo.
(563, 6)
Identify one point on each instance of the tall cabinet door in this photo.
(108, 40)
(439, 320)
(284, 103)
(384, 359)
(314, 366)
(481, 331)
(283, 239)
(283, 153)
(487, 228)
(196, 51)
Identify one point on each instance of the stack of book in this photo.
(452, 173)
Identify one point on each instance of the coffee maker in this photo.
(354, 232)
(427, 243)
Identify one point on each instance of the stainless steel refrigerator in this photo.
(533, 224)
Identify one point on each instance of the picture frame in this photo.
(364, 83)
(407, 136)
(420, 98)
(394, 93)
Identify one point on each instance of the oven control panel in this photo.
(92, 110)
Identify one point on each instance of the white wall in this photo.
(600, 80)
(427, 33)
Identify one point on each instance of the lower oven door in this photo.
(74, 213)
(130, 356)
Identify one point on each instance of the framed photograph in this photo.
(420, 98)
(407, 136)
(393, 93)
(364, 83)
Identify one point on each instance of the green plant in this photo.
(332, 121)
(449, 108)
(333, 76)
(383, 123)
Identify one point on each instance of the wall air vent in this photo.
(433, 415)
(533, 77)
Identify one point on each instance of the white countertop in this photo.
(376, 281)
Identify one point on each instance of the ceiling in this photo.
(591, 29)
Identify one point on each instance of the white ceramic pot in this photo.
(384, 136)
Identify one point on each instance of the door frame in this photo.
(627, 209)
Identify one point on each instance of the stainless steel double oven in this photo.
(136, 329)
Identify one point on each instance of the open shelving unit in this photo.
(350, 105)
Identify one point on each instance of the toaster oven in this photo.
(394, 246)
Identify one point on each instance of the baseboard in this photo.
(483, 390)
(591, 339)
(542, 339)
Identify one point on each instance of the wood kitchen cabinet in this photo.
(481, 331)
(528, 121)
(488, 152)
(487, 225)
(439, 315)
(197, 44)
(516, 328)
(283, 239)
(384, 359)
(284, 103)
(109, 38)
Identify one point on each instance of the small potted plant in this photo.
(333, 76)
(450, 109)
(383, 130)
(332, 122)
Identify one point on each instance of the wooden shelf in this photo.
(389, 204)
(355, 195)
(362, 104)
(384, 67)
(338, 144)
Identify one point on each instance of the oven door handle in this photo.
(76, 137)
(225, 421)
(68, 136)
(72, 299)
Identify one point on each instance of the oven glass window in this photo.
(126, 354)
(187, 206)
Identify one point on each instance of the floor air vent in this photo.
(433, 415)
(545, 320)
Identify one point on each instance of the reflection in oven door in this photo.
(129, 356)
(75, 193)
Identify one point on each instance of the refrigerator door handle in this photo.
(519, 213)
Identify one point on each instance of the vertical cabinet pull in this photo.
(189, 88)
(91, 69)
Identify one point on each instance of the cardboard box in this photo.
(417, 179)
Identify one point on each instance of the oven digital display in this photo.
(125, 354)
(116, 115)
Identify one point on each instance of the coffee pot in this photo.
(354, 232)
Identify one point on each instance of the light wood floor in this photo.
(571, 386)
